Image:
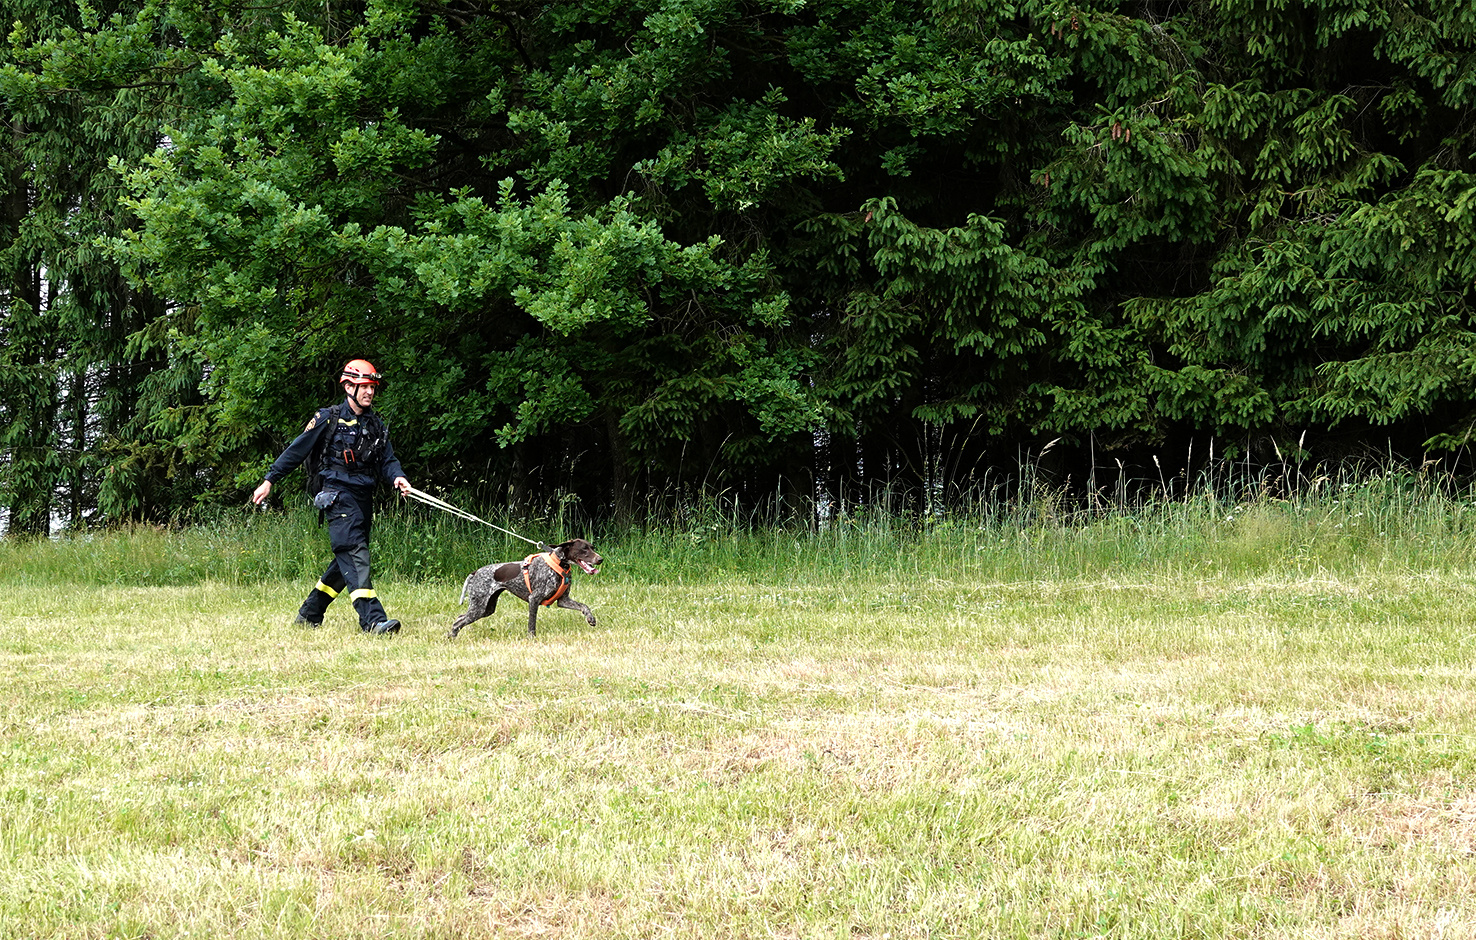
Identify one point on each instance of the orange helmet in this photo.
(360, 372)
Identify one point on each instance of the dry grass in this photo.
(1164, 756)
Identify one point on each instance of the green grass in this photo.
(1185, 721)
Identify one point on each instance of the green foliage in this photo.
(69, 388)
(338, 201)
(678, 242)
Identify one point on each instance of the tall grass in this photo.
(1391, 521)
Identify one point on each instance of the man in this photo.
(355, 454)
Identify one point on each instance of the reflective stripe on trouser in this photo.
(349, 520)
(316, 606)
(366, 602)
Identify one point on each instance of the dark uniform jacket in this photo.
(358, 456)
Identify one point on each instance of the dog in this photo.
(541, 579)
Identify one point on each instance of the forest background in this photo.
(816, 248)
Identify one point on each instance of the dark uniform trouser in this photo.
(349, 519)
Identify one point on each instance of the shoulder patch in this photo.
(312, 423)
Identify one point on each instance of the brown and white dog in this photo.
(542, 579)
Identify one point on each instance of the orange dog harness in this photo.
(552, 560)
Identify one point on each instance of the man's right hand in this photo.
(261, 492)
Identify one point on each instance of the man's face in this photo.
(363, 395)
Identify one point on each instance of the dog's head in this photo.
(580, 553)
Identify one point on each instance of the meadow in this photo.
(1206, 717)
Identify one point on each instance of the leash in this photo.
(444, 506)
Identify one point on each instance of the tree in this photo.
(630, 248)
(72, 373)
(409, 188)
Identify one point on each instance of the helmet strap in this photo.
(353, 396)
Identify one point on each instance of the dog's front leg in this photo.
(533, 615)
(569, 603)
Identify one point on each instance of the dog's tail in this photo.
(463, 588)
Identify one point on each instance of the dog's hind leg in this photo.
(476, 610)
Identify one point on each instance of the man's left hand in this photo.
(402, 485)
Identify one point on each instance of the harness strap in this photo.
(552, 560)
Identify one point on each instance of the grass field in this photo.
(939, 746)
